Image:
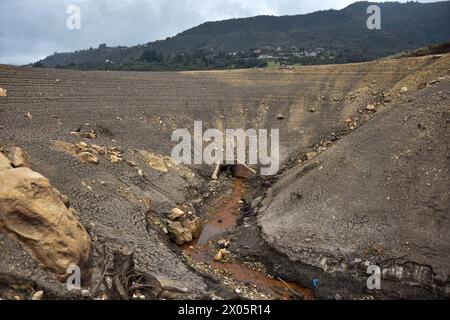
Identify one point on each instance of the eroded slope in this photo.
(378, 196)
(139, 111)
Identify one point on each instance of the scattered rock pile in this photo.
(89, 153)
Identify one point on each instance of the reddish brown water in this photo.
(219, 222)
(225, 217)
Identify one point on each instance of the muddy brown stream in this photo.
(222, 219)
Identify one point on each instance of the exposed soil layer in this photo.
(377, 197)
(126, 202)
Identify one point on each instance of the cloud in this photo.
(32, 29)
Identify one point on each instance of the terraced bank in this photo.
(139, 111)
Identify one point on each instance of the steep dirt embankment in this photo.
(379, 196)
(122, 193)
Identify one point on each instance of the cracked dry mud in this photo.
(364, 175)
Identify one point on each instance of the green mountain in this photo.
(332, 36)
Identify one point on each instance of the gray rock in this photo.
(256, 202)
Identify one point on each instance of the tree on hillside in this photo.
(151, 56)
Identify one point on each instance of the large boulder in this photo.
(32, 211)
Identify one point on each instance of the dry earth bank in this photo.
(98, 137)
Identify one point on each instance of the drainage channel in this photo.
(221, 221)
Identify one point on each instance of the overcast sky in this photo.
(32, 29)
